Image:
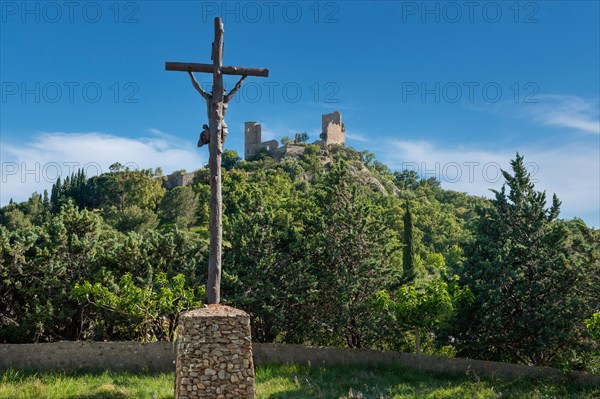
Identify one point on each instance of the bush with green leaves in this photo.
(149, 307)
(423, 307)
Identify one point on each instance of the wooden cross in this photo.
(214, 136)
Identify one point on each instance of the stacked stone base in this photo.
(214, 354)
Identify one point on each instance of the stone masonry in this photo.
(333, 129)
(333, 132)
(178, 179)
(214, 354)
(253, 140)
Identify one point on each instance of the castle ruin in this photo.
(253, 140)
(333, 129)
(178, 180)
(333, 132)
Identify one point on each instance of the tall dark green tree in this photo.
(408, 253)
(46, 201)
(55, 196)
(530, 282)
(352, 250)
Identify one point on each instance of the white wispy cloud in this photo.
(35, 165)
(571, 171)
(567, 111)
(351, 135)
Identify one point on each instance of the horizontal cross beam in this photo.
(225, 70)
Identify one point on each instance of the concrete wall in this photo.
(160, 356)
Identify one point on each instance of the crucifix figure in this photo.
(214, 135)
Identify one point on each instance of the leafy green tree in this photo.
(132, 218)
(261, 155)
(367, 157)
(266, 276)
(310, 160)
(124, 188)
(179, 206)
(149, 308)
(341, 152)
(419, 308)
(14, 219)
(230, 159)
(292, 167)
(531, 278)
(301, 138)
(55, 195)
(407, 179)
(593, 325)
(46, 201)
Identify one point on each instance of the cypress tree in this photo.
(55, 195)
(530, 276)
(408, 254)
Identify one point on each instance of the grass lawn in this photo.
(289, 381)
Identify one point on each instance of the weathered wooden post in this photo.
(214, 353)
(217, 103)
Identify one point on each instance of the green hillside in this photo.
(319, 249)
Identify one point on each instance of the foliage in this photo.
(422, 308)
(131, 218)
(286, 140)
(532, 278)
(37, 266)
(408, 252)
(179, 206)
(123, 188)
(150, 308)
(230, 159)
(353, 252)
(593, 325)
(40, 265)
(308, 241)
(301, 138)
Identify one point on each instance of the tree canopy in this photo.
(309, 241)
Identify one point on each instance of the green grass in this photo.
(290, 382)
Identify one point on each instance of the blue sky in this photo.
(450, 89)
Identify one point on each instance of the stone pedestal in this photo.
(214, 354)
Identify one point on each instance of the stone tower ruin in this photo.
(252, 139)
(333, 129)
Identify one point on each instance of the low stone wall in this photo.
(273, 353)
(160, 356)
(133, 356)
